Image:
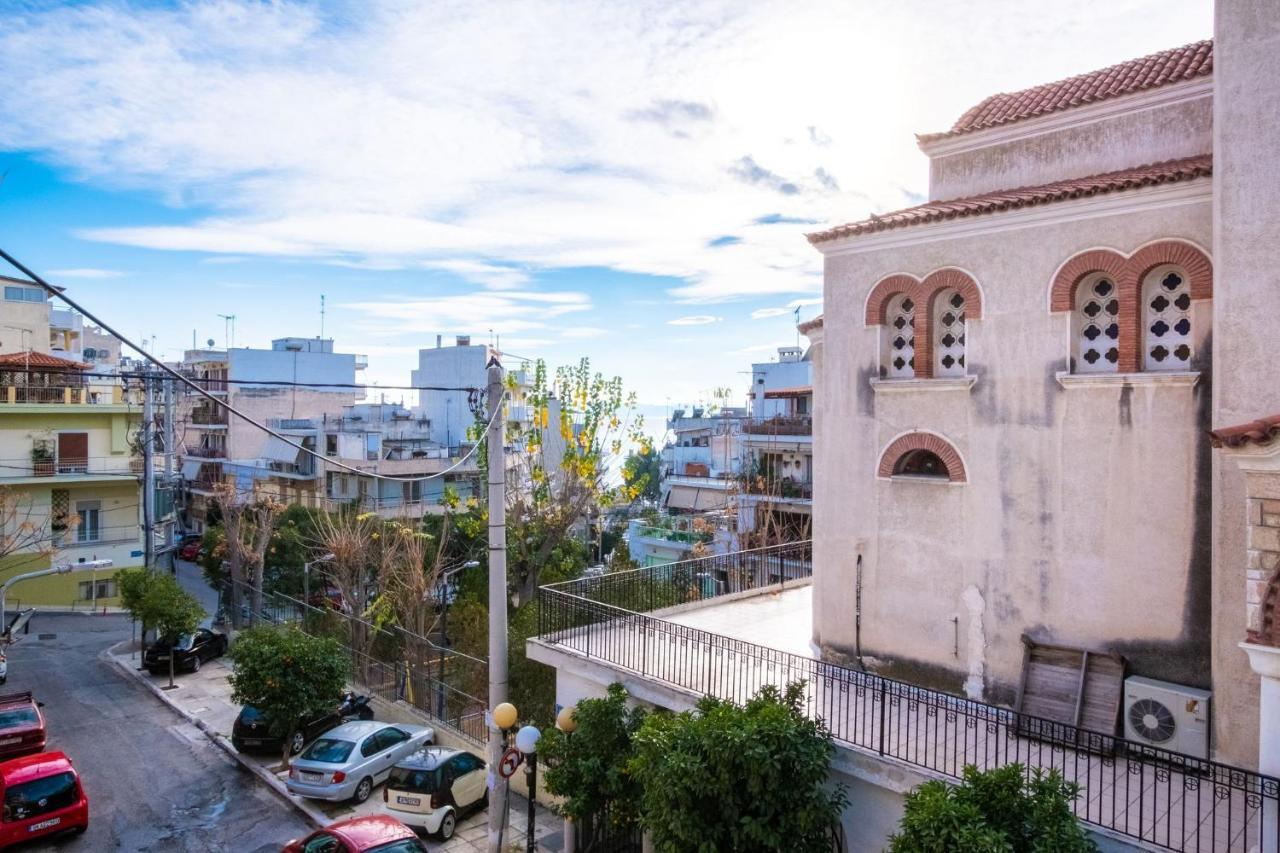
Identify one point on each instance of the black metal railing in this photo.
(1163, 798)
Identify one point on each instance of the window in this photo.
(73, 452)
(371, 745)
(1096, 326)
(323, 842)
(391, 737)
(23, 294)
(41, 796)
(105, 589)
(1166, 300)
(921, 463)
(90, 527)
(900, 356)
(948, 325)
(330, 444)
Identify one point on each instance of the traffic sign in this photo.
(510, 761)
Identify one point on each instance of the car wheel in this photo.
(363, 790)
(195, 663)
(298, 742)
(447, 825)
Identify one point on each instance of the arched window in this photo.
(1096, 325)
(1166, 311)
(948, 333)
(900, 354)
(921, 463)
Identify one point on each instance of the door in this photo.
(73, 452)
(471, 781)
(391, 742)
(90, 527)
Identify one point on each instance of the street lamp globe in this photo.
(566, 721)
(505, 715)
(527, 740)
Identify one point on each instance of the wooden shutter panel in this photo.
(73, 452)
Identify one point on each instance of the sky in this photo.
(625, 181)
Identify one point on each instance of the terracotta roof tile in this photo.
(1170, 171)
(39, 359)
(1136, 75)
(809, 325)
(1262, 431)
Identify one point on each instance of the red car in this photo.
(381, 833)
(190, 550)
(21, 725)
(42, 796)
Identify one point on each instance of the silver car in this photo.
(347, 762)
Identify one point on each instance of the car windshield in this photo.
(329, 750)
(14, 717)
(251, 714)
(183, 643)
(418, 781)
(40, 796)
(404, 845)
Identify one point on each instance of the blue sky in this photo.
(630, 182)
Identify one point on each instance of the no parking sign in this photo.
(510, 761)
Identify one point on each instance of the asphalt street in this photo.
(155, 782)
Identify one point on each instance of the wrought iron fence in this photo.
(1163, 798)
(390, 662)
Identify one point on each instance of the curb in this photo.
(316, 817)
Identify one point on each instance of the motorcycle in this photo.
(355, 706)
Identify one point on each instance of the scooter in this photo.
(355, 706)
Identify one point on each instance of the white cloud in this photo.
(762, 313)
(698, 320)
(583, 332)
(503, 312)
(801, 303)
(85, 272)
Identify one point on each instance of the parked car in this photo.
(22, 725)
(189, 651)
(251, 732)
(190, 548)
(329, 597)
(435, 786)
(347, 762)
(42, 796)
(378, 833)
(4, 668)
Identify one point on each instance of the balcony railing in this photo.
(205, 417)
(668, 534)
(86, 536)
(779, 426)
(780, 487)
(111, 466)
(1163, 798)
(26, 394)
(203, 451)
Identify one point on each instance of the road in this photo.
(155, 782)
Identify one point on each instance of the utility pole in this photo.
(170, 481)
(148, 473)
(497, 481)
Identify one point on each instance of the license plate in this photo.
(409, 801)
(44, 824)
(311, 777)
(8, 740)
(252, 741)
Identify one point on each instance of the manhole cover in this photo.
(46, 636)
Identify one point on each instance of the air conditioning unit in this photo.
(1167, 716)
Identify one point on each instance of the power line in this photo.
(282, 382)
(497, 404)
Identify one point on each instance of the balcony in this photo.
(83, 468)
(780, 487)
(83, 536)
(203, 451)
(208, 418)
(780, 425)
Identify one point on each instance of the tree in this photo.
(588, 769)
(287, 675)
(642, 472)
(134, 584)
(732, 777)
(248, 522)
(997, 811)
(354, 540)
(22, 530)
(173, 610)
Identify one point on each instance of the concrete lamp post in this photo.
(65, 568)
(568, 723)
(527, 742)
(306, 576)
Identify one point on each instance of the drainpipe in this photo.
(857, 617)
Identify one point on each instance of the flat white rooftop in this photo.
(779, 620)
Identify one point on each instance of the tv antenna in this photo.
(228, 330)
(322, 315)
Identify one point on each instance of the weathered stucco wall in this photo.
(1246, 246)
(1083, 518)
(1165, 132)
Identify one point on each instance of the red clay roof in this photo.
(39, 359)
(1170, 171)
(1262, 431)
(809, 325)
(1136, 75)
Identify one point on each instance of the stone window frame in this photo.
(923, 293)
(1129, 273)
(939, 445)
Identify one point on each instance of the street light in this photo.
(527, 742)
(306, 576)
(65, 568)
(442, 595)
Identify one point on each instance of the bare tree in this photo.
(409, 570)
(354, 541)
(22, 529)
(249, 522)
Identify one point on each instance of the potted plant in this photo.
(42, 459)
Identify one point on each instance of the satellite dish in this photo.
(209, 342)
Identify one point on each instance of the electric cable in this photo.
(496, 404)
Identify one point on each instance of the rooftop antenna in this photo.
(322, 315)
(228, 330)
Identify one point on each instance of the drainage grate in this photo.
(46, 636)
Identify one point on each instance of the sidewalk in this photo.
(204, 698)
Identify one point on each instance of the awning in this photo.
(279, 450)
(691, 497)
(190, 470)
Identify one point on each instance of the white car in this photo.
(4, 667)
(433, 787)
(346, 763)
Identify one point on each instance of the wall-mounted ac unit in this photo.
(1167, 716)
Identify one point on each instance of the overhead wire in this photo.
(470, 389)
(34, 277)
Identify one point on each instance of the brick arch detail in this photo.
(922, 293)
(1062, 293)
(962, 282)
(944, 449)
(1268, 630)
(884, 290)
(1197, 265)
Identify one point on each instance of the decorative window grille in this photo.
(1166, 299)
(900, 360)
(949, 334)
(1097, 326)
(921, 463)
